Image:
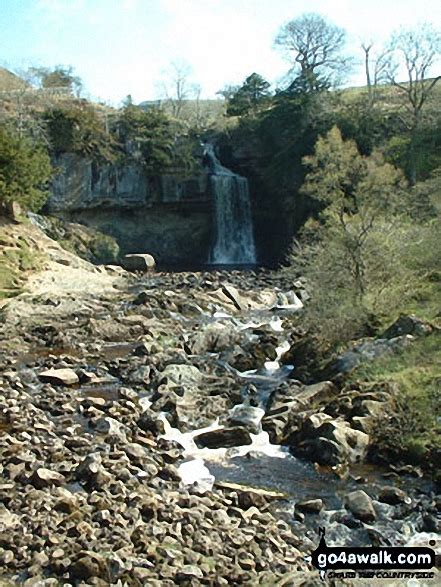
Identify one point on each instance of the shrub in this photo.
(25, 170)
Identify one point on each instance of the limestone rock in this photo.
(393, 495)
(45, 478)
(313, 506)
(408, 325)
(330, 442)
(138, 262)
(233, 294)
(223, 438)
(59, 377)
(360, 504)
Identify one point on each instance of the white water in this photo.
(194, 471)
(234, 239)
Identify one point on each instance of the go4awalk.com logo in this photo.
(372, 562)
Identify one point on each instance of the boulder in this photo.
(59, 377)
(360, 504)
(42, 478)
(367, 351)
(408, 325)
(185, 375)
(312, 506)
(393, 495)
(91, 471)
(246, 416)
(138, 262)
(223, 438)
(111, 427)
(318, 392)
(330, 442)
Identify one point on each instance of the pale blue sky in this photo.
(121, 47)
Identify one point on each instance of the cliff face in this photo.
(166, 216)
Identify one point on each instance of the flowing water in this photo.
(262, 464)
(234, 239)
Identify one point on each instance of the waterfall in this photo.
(234, 239)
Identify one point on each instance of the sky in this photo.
(122, 47)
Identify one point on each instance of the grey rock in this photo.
(59, 377)
(410, 324)
(360, 504)
(138, 262)
(226, 438)
(313, 506)
(42, 478)
(393, 495)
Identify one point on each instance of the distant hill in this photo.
(10, 81)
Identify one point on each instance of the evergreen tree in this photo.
(24, 172)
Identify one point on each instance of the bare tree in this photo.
(315, 47)
(176, 87)
(413, 53)
(375, 64)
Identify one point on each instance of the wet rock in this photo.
(246, 416)
(312, 506)
(330, 442)
(360, 504)
(59, 377)
(150, 422)
(431, 524)
(46, 478)
(138, 262)
(393, 495)
(223, 438)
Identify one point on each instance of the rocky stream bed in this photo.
(153, 432)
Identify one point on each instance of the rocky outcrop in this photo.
(167, 216)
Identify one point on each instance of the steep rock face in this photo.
(279, 213)
(165, 215)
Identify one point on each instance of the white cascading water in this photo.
(234, 239)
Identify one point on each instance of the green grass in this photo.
(412, 432)
(16, 258)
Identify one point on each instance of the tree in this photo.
(78, 128)
(147, 136)
(414, 52)
(249, 96)
(355, 256)
(59, 78)
(176, 88)
(314, 46)
(356, 192)
(375, 69)
(24, 172)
